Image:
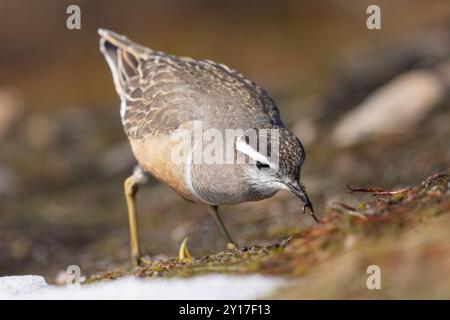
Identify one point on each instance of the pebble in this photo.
(394, 109)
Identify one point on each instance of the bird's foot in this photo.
(144, 261)
(140, 260)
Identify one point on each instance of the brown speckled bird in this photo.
(163, 96)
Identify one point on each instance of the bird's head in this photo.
(275, 157)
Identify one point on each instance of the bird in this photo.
(163, 96)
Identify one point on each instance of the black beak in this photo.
(300, 192)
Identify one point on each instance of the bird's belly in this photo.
(154, 155)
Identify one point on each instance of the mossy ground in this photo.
(406, 234)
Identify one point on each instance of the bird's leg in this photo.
(213, 210)
(130, 188)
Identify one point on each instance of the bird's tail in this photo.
(124, 57)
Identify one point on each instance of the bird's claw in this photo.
(144, 261)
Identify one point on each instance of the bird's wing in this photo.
(232, 91)
(154, 99)
(270, 107)
(159, 92)
(124, 57)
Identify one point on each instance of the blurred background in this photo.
(371, 107)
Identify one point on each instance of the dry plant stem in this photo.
(351, 211)
(376, 191)
(345, 206)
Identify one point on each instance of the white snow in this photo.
(15, 285)
(210, 287)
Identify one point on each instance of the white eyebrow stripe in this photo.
(252, 153)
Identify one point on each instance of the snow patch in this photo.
(17, 285)
(211, 287)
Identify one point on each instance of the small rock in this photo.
(306, 130)
(11, 108)
(66, 278)
(394, 108)
(40, 130)
(444, 71)
(9, 181)
(349, 242)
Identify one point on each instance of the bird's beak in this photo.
(300, 192)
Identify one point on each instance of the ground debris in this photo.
(385, 215)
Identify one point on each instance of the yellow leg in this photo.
(131, 188)
(214, 212)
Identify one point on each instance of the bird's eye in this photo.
(260, 165)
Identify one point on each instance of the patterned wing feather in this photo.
(160, 92)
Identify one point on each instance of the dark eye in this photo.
(260, 165)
